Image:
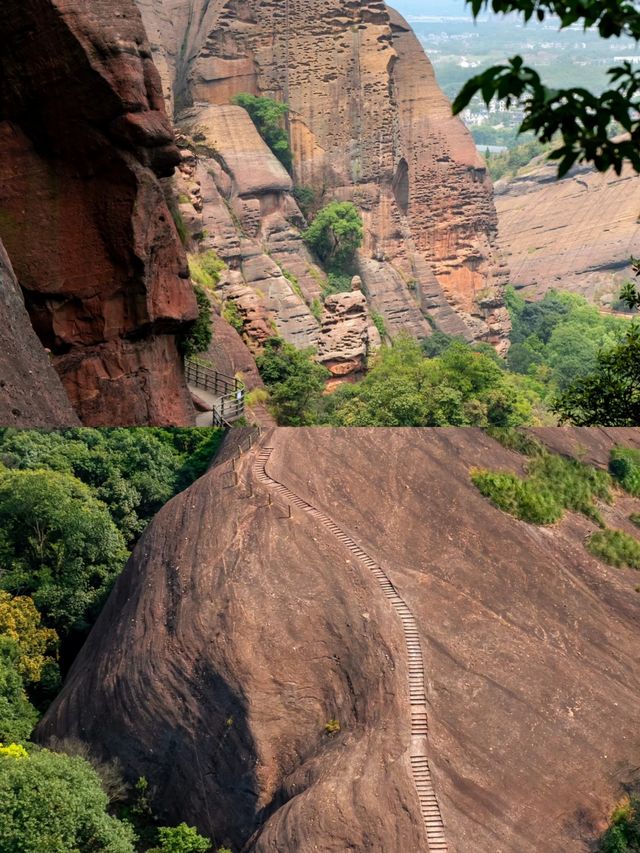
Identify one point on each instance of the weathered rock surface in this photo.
(84, 139)
(367, 123)
(30, 390)
(344, 340)
(576, 234)
(238, 631)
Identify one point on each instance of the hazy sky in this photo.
(430, 7)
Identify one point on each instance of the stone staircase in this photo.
(430, 810)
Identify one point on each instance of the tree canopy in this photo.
(582, 120)
(268, 116)
(336, 233)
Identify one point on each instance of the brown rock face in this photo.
(84, 140)
(30, 390)
(575, 234)
(240, 628)
(367, 123)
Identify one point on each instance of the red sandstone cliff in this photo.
(85, 140)
(367, 123)
(245, 622)
(31, 393)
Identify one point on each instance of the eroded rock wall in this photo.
(367, 123)
(31, 393)
(85, 141)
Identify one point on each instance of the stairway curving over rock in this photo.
(429, 807)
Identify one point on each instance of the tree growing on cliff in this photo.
(336, 233)
(198, 338)
(294, 380)
(268, 116)
(582, 120)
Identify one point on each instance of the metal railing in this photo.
(229, 405)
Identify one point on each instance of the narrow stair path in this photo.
(429, 807)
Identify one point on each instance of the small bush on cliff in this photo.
(294, 380)
(55, 803)
(624, 465)
(198, 338)
(336, 233)
(268, 116)
(623, 832)
(181, 839)
(616, 548)
(232, 315)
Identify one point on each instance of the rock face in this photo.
(30, 390)
(85, 139)
(240, 628)
(367, 123)
(576, 234)
(345, 334)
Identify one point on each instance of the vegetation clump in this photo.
(198, 338)
(553, 485)
(294, 380)
(624, 465)
(205, 269)
(333, 727)
(335, 234)
(268, 116)
(616, 548)
(623, 832)
(232, 315)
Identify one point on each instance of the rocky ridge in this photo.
(367, 123)
(243, 625)
(85, 144)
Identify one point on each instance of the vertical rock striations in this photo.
(367, 123)
(85, 139)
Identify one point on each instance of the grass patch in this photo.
(378, 322)
(205, 269)
(554, 485)
(624, 465)
(256, 397)
(615, 548)
(293, 281)
(316, 309)
(232, 315)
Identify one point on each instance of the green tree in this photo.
(17, 715)
(268, 116)
(294, 380)
(623, 833)
(336, 233)
(198, 338)
(55, 803)
(610, 396)
(581, 119)
(181, 839)
(59, 545)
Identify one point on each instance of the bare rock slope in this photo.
(483, 672)
(367, 123)
(85, 140)
(577, 234)
(31, 393)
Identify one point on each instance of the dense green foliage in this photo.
(55, 803)
(508, 163)
(181, 839)
(133, 471)
(17, 714)
(583, 120)
(198, 337)
(556, 340)
(610, 395)
(268, 116)
(553, 485)
(460, 387)
(624, 465)
(294, 380)
(335, 234)
(623, 832)
(616, 548)
(58, 544)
